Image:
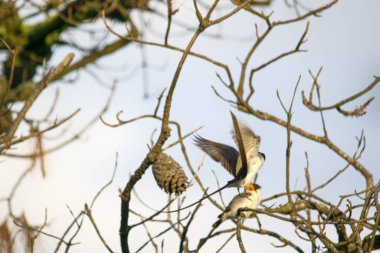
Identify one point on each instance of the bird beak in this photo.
(250, 187)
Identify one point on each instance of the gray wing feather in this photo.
(222, 153)
(241, 170)
(251, 141)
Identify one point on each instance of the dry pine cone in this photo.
(169, 175)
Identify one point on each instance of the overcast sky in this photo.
(344, 41)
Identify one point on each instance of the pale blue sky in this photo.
(344, 41)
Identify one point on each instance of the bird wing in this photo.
(251, 141)
(224, 154)
(241, 171)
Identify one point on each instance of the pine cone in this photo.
(169, 175)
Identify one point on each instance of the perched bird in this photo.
(250, 199)
(243, 165)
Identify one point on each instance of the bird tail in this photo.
(222, 217)
(217, 223)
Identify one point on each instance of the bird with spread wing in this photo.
(243, 164)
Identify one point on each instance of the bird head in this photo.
(256, 187)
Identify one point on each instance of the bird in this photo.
(243, 165)
(250, 199)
